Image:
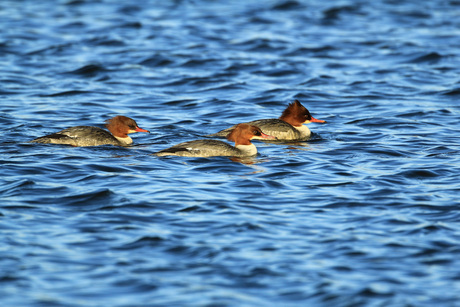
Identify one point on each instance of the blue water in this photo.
(366, 213)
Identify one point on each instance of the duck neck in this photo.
(304, 131)
(247, 150)
(125, 140)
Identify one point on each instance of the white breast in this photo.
(248, 150)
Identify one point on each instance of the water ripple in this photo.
(364, 213)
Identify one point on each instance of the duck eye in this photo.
(256, 132)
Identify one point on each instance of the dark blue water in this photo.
(366, 213)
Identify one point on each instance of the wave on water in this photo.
(364, 213)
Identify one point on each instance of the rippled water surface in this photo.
(366, 213)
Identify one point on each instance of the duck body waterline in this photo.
(291, 126)
(119, 127)
(241, 135)
(274, 127)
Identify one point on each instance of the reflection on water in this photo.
(364, 213)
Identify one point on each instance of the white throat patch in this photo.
(248, 150)
(126, 140)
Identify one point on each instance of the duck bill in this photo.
(141, 130)
(267, 137)
(314, 120)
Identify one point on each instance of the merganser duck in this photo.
(289, 127)
(119, 127)
(241, 135)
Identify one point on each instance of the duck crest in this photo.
(239, 135)
(295, 114)
(118, 125)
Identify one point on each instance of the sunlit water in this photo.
(366, 213)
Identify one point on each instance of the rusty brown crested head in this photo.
(120, 126)
(296, 115)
